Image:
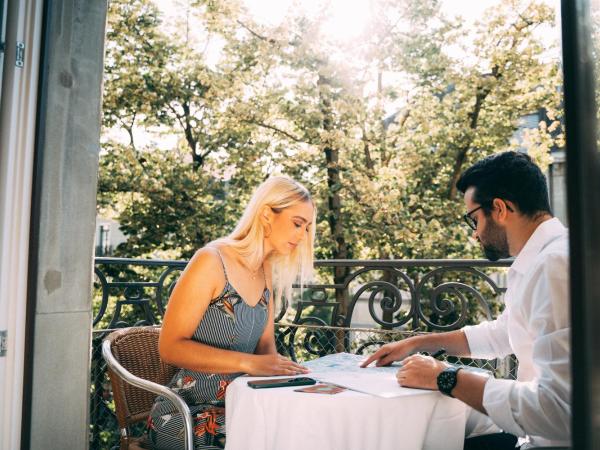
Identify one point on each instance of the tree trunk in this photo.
(482, 93)
(192, 141)
(334, 202)
(367, 151)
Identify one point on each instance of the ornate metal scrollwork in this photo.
(282, 308)
(315, 340)
(104, 295)
(134, 296)
(442, 307)
(162, 294)
(390, 298)
(440, 301)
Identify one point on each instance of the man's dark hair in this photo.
(509, 176)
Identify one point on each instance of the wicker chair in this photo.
(138, 375)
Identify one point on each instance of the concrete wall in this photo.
(64, 221)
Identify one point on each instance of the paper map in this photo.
(343, 369)
(347, 363)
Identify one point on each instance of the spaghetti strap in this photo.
(222, 264)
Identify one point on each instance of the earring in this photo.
(270, 230)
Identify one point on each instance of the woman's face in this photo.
(288, 228)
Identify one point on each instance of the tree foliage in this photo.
(378, 127)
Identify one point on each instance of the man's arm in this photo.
(419, 371)
(454, 342)
(489, 340)
(469, 388)
(486, 340)
(540, 407)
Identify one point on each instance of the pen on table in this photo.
(439, 353)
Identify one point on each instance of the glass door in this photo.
(3, 5)
(580, 36)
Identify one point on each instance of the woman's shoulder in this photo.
(206, 259)
(205, 268)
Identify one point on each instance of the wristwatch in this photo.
(447, 379)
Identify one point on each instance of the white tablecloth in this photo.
(281, 419)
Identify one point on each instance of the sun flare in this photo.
(343, 19)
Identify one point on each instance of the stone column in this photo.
(63, 225)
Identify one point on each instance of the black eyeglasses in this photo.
(469, 220)
(472, 222)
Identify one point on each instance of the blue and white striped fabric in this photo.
(229, 323)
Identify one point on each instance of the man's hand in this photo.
(420, 371)
(391, 352)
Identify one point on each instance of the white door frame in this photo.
(17, 136)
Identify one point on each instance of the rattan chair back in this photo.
(136, 349)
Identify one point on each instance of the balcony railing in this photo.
(352, 306)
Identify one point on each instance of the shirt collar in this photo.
(545, 232)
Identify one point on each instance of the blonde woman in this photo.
(219, 321)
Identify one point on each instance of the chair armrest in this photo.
(156, 388)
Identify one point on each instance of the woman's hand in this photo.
(420, 371)
(273, 364)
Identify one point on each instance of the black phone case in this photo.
(281, 382)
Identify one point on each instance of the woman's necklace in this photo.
(254, 273)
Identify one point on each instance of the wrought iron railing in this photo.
(352, 306)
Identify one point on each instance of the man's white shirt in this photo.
(535, 326)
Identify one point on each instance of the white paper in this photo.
(347, 363)
(343, 369)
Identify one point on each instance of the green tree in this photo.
(171, 201)
(379, 128)
(136, 54)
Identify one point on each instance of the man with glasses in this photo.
(507, 205)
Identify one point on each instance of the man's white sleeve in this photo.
(489, 340)
(540, 407)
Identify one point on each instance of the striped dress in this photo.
(229, 323)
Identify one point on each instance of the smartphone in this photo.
(281, 382)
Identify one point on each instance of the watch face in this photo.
(447, 380)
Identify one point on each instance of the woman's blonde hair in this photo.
(247, 238)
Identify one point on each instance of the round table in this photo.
(281, 419)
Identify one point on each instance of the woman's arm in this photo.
(200, 282)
